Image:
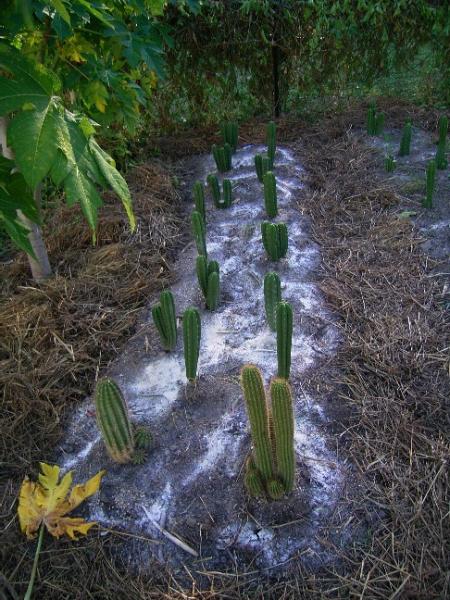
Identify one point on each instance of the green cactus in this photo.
(142, 437)
(214, 188)
(405, 142)
(199, 232)
(212, 297)
(427, 202)
(275, 489)
(271, 132)
(272, 296)
(275, 239)
(229, 132)
(222, 157)
(284, 338)
(221, 200)
(389, 163)
(227, 194)
(252, 479)
(191, 339)
(262, 165)
(165, 320)
(270, 194)
(199, 198)
(209, 281)
(441, 158)
(283, 426)
(113, 421)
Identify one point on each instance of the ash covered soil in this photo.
(191, 486)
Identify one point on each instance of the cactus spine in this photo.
(441, 159)
(113, 421)
(199, 198)
(229, 132)
(272, 296)
(284, 338)
(405, 142)
(191, 339)
(275, 239)
(430, 185)
(165, 319)
(222, 157)
(270, 194)
(209, 281)
(262, 165)
(271, 132)
(199, 232)
(271, 467)
(389, 163)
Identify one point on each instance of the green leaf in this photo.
(58, 5)
(18, 233)
(80, 189)
(115, 180)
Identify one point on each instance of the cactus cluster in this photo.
(275, 239)
(165, 320)
(375, 121)
(272, 296)
(389, 163)
(262, 165)
(229, 132)
(430, 184)
(209, 281)
(222, 157)
(199, 232)
(271, 140)
(198, 192)
(441, 158)
(270, 194)
(191, 340)
(405, 142)
(271, 467)
(222, 199)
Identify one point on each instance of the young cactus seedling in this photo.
(198, 192)
(275, 239)
(430, 184)
(209, 281)
(270, 194)
(271, 133)
(405, 142)
(272, 296)
(222, 157)
(262, 165)
(199, 232)
(229, 132)
(389, 163)
(191, 339)
(165, 320)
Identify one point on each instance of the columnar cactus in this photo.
(191, 339)
(199, 232)
(271, 467)
(198, 192)
(262, 165)
(389, 163)
(214, 188)
(209, 281)
(284, 338)
(227, 194)
(272, 296)
(441, 158)
(165, 320)
(430, 185)
(275, 239)
(113, 421)
(270, 194)
(405, 142)
(221, 200)
(229, 131)
(222, 157)
(271, 132)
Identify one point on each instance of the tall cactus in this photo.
(271, 132)
(270, 194)
(284, 338)
(227, 194)
(405, 142)
(165, 320)
(262, 165)
(214, 188)
(222, 157)
(427, 202)
(272, 296)
(113, 421)
(275, 239)
(441, 158)
(283, 426)
(229, 132)
(209, 281)
(198, 192)
(199, 232)
(191, 339)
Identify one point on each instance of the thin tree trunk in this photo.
(40, 268)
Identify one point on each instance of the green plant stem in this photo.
(35, 564)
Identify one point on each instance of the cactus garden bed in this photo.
(191, 486)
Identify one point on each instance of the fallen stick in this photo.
(170, 536)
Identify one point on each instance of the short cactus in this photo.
(229, 132)
(270, 194)
(272, 296)
(165, 320)
(275, 239)
(222, 157)
(284, 338)
(405, 142)
(220, 200)
(430, 184)
(199, 232)
(209, 281)
(214, 188)
(227, 194)
(198, 192)
(143, 438)
(375, 120)
(271, 467)
(262, 165)
(389, 163)
(441, 158)
(113, 421)
(191, 339)
(271, 132)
